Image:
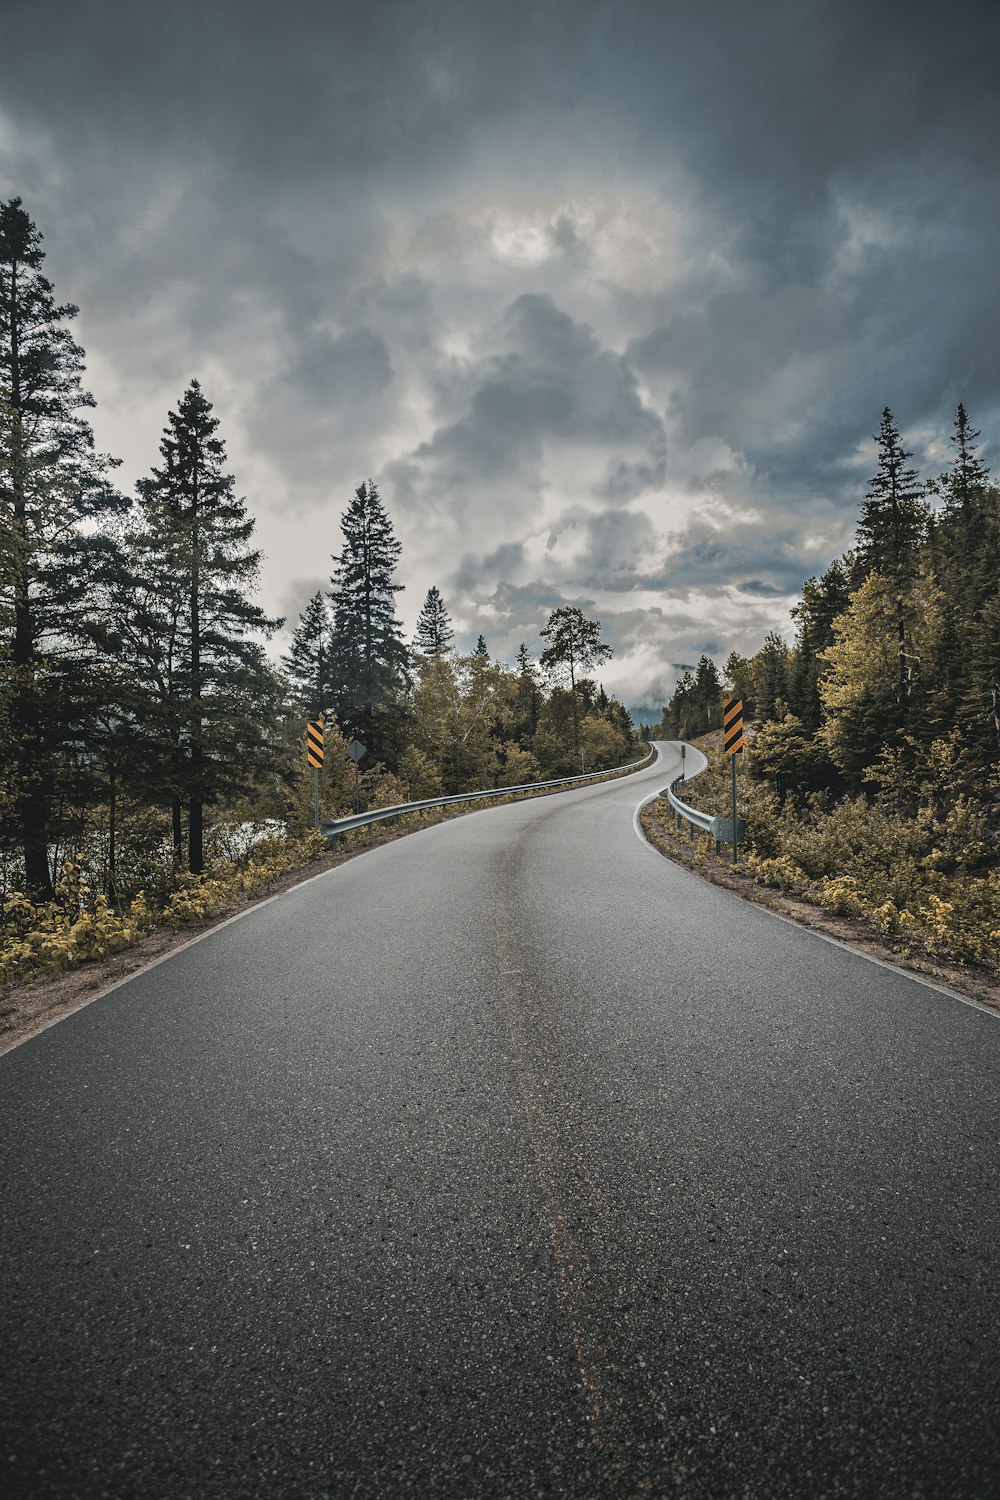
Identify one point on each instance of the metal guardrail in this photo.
(720, 828)
(694, 818)
(330, 827)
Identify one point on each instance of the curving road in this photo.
(509, 1159)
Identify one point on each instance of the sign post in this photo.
(733, 744)
(314, 754)
(356, 750)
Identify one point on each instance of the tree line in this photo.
(140, 708)
(891, 686)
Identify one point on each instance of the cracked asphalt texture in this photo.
(508, 1159)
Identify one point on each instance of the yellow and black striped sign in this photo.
(314, 743)
(732, 725)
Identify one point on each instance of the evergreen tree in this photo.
(55, 495)
(696, 704)
(482, 649)
(965, 484)
(307, 662)
(965, 561)
(739, 678)
(575, 646)
(371, 661)
(770, 671)
(194, 622)
(822, 601)
(891, 526)
(528, 699)
(434, 635)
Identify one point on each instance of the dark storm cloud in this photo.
(552, 384)
(737, 553)
(551, 270)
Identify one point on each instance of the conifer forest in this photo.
(150, 746)
(148, 741)
(873, 782)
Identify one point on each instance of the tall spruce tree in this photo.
(307, 662)
(822, 601)
(960, 558)
(966, 482)
(371, 660)
(434, 635)
(193, 625)
(528, 699)
(481, 648)
(891, 527)
(968, 564)
(55, 500)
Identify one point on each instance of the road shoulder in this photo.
(968, 984)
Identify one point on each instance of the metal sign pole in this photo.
(733, 744)
(736, 837)
(316, 796)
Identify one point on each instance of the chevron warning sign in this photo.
(732, 725)
(314, 743)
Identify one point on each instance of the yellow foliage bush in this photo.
(780, 872)
(36, 940)
(840, 893)
(56, 935)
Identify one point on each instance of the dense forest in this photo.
(874, 757)
(144, 727)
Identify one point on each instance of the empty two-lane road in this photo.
(507, 1159)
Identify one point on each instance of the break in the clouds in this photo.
(607, 297)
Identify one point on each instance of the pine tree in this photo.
(481, 648)
(891, 526)
(371, 661)
(966, 482)
(55, 496)
(192, 624)
(307, 662)
(434, 635)
(528, 699)
(770, 677)
(823, 600)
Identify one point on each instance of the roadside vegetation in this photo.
(871, 780)
(152, 756)
(926, 886)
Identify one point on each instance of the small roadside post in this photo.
(356, 750)
(733, 744)
(583, 760)
(314, 754)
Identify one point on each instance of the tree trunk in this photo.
(178, 831)
(196, 855)
(31, 802)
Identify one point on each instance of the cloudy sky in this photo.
(608, 299)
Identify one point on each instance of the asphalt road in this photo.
(508, 1159)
